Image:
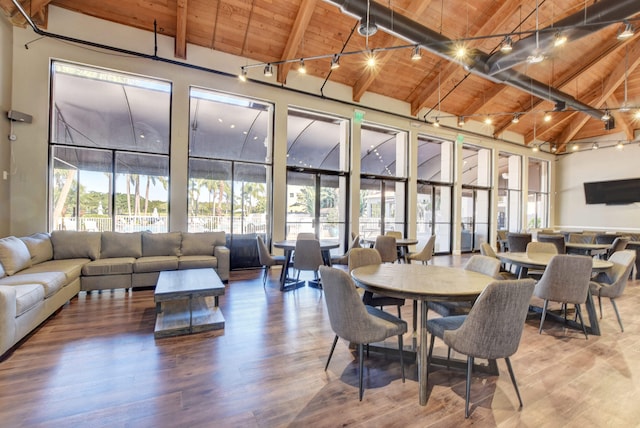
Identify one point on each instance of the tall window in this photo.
(230, 148)
(317, 165)
(383, 180)
(476, 187)
(109, 150)
(435, 181)
(538, 200)
(509, 192)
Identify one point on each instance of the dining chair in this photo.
(344, 259)
(582, 238)
(356, 322)
(370, 256)
(487, 250)
(486, 332)
(534, 248)
(518, 241)
(555, 239)
(307, 256)
(306, 235)
(565, 280)
(399, 250)
(605, 238)
(267, 259)
(612, 283)
(425, 254)
(477, 263)
(386, 246)
(619, 244)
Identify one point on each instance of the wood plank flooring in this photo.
(96, 364)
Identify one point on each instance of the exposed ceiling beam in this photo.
(615, 79)
(370, 74)
(181, 29)
(498, 18)
(300, 25)
(37, 9)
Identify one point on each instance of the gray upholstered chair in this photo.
(605, 238)
(566, 280)
(619, 244)
(487, 332)
(370, 256)
(518, 242)
(477, 263)
(555, 239)
(582, 238)
(355, 322)
(386, 246)
(267, 259)
(537, 248)
(398, 235)
(344, 259)
(425, 254)
(307, 256)
(612, 283)
(306, 235)
(487, 250)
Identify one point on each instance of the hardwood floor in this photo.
(96, 364)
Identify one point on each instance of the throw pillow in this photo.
(14, 255)
(40, 247)
(68, 244)
(116, 244)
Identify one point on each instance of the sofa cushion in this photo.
(51, 281)
(155, 264)
(75, 245)
(110, 266)
(196, 244)
(2, 272)
(28, 296)
(72, 268)
(197, 262)
(161, 244)
(40, 247)
(116, 244)
(14, 255)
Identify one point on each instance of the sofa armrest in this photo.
(7, 317)
(224, 261)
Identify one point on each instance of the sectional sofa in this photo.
(41, 272)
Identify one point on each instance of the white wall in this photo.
(31, 95)
(6, 39)
(596, 165)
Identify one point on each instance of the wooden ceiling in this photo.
(594, 69)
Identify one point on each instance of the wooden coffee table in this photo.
(187, 302)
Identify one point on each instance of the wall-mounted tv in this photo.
(615, 192)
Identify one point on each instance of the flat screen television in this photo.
(615, 192)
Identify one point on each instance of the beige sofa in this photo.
(41, 272)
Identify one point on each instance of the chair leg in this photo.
(600, 305)
(615, 308)
(468, 388)
(544, 314)
(335, 340)
(265, 275)
(584, 329)
(361, 363)
(399, 313)
(401, 349)
(513, 380)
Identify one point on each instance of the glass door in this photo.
(434, 216)
(475, 218)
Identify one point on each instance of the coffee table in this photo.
(187, 302)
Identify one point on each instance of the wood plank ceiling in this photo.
(598, 70)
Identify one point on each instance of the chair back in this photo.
(487, 250)
(541, 247)
(483, 264)
(427, 251)
(355, 242)
(386, 246)
(363, 257)
(582, 238)
(618, 275)
(347, 313)
(494, 325)
(619, 244)
(605, 238)
(305, 235)
(395, 233)
(518, 242)
(555, 239)
(308, 255)
(265, 257)
(566, 279)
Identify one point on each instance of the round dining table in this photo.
(424, 283)
(401, 243)
(289, 246)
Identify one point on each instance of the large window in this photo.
(109, 150)
(538, 199)
(509, 192)
(474, 204)
(230, 148)
(383, 180)
(435, 181)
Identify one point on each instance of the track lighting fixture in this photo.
(620, 145)
(554, 148)
(574, 147)
(416, 55)
(302, 68)
(436, 122)
(516, 118)
(535, 57)
(606, 116)
(535, 148)
(461, 121)
(243, 74)
(488, 120)
(559, 39)
(371, 60)
(547, 117)
(507, 45)
(335, 62)
(595, 146)
(268, 70)
(627, 32)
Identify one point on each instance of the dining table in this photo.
(402, 244)
(289, 246)
(423, 283)
(540, 261)
(586, 249)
